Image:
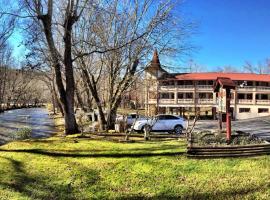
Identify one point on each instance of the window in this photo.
(249, 83)
(244, 110)
(189, 95)
(265, 84)
(180, 82)
(241, 96)
(263, 110)
(188, 83)
(164, 95)
(170, 117)
(171, 82)
(167, 95)
(249, 96)
(202, 83)
(133, 116)
(264, 96)
(161, 117)
(202, 95)
(180, 95)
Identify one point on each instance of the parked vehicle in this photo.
(162, 123)
(130, 118)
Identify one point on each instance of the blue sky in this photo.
(230, 31)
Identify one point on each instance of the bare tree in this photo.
(57, 19)
(124, 35)
(259, 68)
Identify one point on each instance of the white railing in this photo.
(264, 88)
(167, 87)
(205, 101)
(185, 101)
(205, 87)
(246, 88)
(185, 86)
(166, 101)
(245, 101)
(260, 101)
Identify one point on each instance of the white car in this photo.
(130, 118)
(162, 123)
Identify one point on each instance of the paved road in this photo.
(258, 126)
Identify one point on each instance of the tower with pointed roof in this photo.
(153, 72)
(154, 68)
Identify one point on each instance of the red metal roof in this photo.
(224, 82)
(232, 76)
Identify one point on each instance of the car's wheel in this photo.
(178, 129)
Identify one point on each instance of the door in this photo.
(159, 123)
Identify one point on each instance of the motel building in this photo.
(186, 93)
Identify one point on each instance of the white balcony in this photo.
(262, 88)
(166, 101)
(185, 101)
(244, 101)
(185, 87)
(246, 88)
(167, 88)
(205, 101)
(204, 87)
(263, 102)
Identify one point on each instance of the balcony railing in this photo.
(246, 88)
(255, 88)
(167, 87)
(205, 87)
(262, 88)
(166, 101)
(261, 101)
(205, 101)
(185, 101)
(245, 101)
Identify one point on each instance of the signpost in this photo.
(223, 87)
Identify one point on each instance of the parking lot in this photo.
(257, 126)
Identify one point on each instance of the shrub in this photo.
(22, 134)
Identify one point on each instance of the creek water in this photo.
(35, 118)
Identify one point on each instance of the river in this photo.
(35, 118)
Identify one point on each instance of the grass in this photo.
(77, 168)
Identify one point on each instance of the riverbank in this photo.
(4, 108)
(82, 168)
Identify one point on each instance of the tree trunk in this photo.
(111, 118)
(66, 96)
(80, 101)
(92, 86)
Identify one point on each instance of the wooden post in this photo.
(220, 120)
(228, 115)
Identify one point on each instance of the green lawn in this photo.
(58, 168)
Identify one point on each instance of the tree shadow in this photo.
(91, 155)
(36, 187)
(233, 193)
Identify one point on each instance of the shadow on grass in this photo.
(84, 155)
(41, 187)
(233, 193)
